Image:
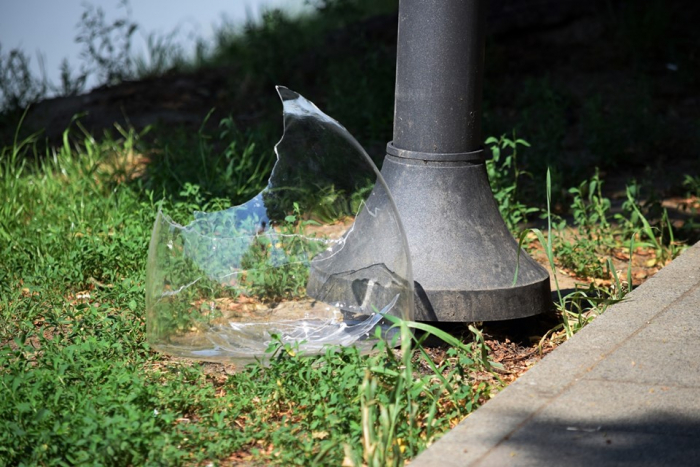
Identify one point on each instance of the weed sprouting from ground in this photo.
(504, 173)
(581, 251)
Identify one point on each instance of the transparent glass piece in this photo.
(318, 258)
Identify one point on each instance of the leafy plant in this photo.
(581, 251)
(590, 208)
(580, 256)
(504, 174)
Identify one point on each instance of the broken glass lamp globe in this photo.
(318, 258)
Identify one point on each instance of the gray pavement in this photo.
(623, 391)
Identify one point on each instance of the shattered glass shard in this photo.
(288, 264)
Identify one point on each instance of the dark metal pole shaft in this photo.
(439, 76)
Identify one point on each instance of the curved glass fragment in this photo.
(318, 258)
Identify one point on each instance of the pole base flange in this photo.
(464, 257)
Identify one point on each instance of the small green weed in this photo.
(591, 209)
(504, 174)
(581, 251)
(661, 236)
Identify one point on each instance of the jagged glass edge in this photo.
(354, 332)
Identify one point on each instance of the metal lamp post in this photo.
(464, 258)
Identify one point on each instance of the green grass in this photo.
(81, 384)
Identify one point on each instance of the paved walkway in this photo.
(623, 391)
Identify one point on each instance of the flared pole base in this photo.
(464, 257)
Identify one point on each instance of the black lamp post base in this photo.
(464, 257)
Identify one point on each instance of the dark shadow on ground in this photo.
(658, 438)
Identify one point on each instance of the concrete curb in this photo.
(624, 390)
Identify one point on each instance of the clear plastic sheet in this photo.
(294, 264)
